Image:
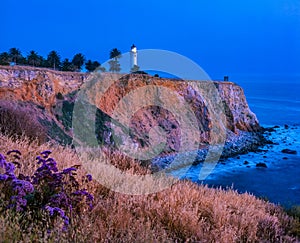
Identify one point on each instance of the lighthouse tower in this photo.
(133, 56)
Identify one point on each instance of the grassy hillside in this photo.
(186, 212)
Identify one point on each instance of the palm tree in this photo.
(115, 54)
(78, 60)
(4, 58)
(114, 65)
(67, 66)
(53, 59)
(33, 58)
(15, 54)
(92, 65)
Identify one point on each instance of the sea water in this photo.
(275, 100)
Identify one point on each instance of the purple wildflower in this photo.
(23, 177)
(66, 223)
(9, 167)
(40, 159)
(2, 160)
(61, 213)
(18, 202)
(69, 170)
(46, 153)
(89, 197)
(22, 186)
(89, 177)
(50, 210)
(60, 199)
(14, 151)
(47, 186)
(52, 164)
(3, 177)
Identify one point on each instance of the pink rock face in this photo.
(152, 117)
(40, 86)
(238, 115)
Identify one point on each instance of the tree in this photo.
(53, 60)
(4, 58)
(68, 66)
(135, 68)
(15, 54)
(115, 54)
(91, 66)
(33, 58)
(114, 65)
(22, 61)
(78, 60)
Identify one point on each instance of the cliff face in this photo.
(238, 114)
(147, 118)
(41, 86)
(38, 85)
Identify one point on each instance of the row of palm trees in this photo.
(54, 61)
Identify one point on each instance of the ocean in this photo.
(276, 101)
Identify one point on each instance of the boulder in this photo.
(289, 151)
(262, 165)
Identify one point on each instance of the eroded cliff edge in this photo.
(51, 94)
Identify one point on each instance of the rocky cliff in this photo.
(38, 85)
(55, 92)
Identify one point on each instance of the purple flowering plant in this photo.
(48, 194)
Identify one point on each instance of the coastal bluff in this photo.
(55, 93)
(39, 85)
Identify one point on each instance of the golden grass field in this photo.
(185, 212)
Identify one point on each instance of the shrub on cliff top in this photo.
(18, 121)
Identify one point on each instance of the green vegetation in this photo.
(53, 60)
(78, 61)
(67, 66)
(114, 65)
(91, 66)
(134, 69)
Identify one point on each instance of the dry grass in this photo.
(18, 121)
(184, 212)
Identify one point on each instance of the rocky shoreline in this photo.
(271, 171)
(235, 145)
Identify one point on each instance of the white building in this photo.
(133, 56)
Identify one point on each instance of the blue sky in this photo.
(222, 36)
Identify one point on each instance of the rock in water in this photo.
(289, 151)
(262, 165)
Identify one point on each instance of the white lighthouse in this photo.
(133, 56)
